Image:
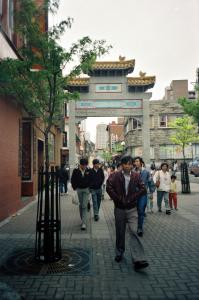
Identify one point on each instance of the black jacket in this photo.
(63, 175)
(96, 178)
(79, 181)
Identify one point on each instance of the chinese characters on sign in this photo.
(108, 88)
(103, 104)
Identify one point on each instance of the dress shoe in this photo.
(118, 258)
(168, 212)
(140, 264)
(139, 232)
(159, 210)
(96, 217)
(88, 206)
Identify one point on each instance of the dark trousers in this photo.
(123, 217)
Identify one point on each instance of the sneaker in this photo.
(140, 232)
(168, 212)
(140, 264)
(83, 227)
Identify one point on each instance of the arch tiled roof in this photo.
(141, 81)
(79, 81)
(114, 65)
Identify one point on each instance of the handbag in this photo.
(75, 199)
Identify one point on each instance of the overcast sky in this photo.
(161, 35)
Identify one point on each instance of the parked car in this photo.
(194, 167)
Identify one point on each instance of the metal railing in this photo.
(48, 223)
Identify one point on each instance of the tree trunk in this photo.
(183, 152)
(47, 227)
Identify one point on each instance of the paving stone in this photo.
(171, 244)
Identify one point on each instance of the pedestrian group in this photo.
(131, 187)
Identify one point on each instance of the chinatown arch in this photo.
(109, 92)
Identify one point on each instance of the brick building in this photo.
(115, 133)
(22, 144)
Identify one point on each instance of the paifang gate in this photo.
(109, 92)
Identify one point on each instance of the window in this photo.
(174, 152)
(65, 142)
(136, 123)
(163, 121)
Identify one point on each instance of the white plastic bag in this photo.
(75, 199)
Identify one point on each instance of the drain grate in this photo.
(75, 261)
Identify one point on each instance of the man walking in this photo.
(96, 182)
(125, 188)
(150, 187)
(80, 182)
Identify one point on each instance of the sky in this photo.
(161, 35)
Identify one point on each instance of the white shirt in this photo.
(165, 180)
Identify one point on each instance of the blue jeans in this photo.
(141, 206)
(63, 187)
(160, 196)
(96, 198)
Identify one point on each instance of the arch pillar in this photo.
(72, 136)
(146, 132)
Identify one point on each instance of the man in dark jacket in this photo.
(63, 179)
(80, 182)
(125, 188)
(96, 182)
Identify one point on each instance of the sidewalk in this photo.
(171, 244)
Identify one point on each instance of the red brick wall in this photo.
(10, 181)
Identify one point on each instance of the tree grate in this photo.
(75, 261)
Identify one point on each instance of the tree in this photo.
(185, 132)
(36, 81)
(106, 155)
(191, 107)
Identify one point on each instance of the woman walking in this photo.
(163, 180)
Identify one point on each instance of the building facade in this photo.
(162, 112)
(22, 143)
(101, 137)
